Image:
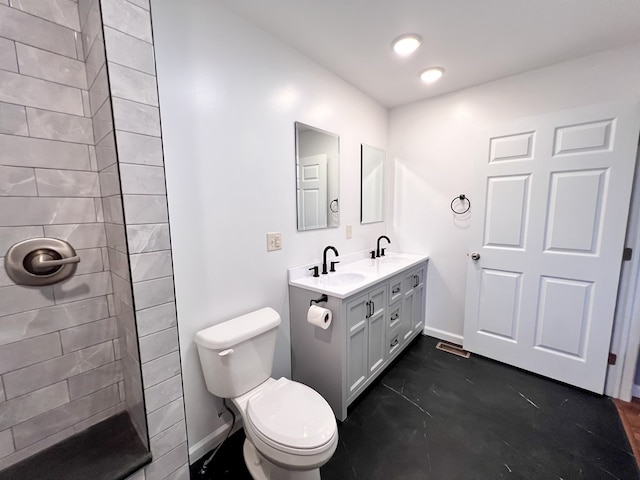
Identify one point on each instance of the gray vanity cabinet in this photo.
(369, 329)
(365, 319)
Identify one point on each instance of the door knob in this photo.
(475, 256)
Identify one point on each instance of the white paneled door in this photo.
(312, 192)
(549, 223)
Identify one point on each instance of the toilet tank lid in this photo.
(236, 330)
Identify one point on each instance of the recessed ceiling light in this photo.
(407, 44)
(431, 74)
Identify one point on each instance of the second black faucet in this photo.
(379, 251)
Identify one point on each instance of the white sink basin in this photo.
(344, 279)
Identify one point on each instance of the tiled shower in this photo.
(81, 160)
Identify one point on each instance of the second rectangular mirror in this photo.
(372, 184)
(317, 177)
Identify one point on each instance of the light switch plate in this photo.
(349, 231)
(274, 241)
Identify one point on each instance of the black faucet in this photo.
(324, 260)
(380, 252)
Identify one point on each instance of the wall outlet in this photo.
(274, 241)
(349, 231)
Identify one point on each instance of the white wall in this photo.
(229, 96)
(432, 145)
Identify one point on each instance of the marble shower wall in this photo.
(59, 348)
(132, 78)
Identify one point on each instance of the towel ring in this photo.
(462, 197)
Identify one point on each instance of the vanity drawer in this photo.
(395, 317)
(393, 342)
(395, 290)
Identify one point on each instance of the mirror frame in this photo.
(333, 178)
(365, 216)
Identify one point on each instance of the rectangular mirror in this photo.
(317, 178)
(372, 184)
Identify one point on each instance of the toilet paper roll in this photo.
(319, 317)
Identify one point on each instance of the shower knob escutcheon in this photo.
(38, 262)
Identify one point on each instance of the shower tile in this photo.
(93, 159)
(135, 117)
(127, 18)
(35, 152)
(83, 235)
(92, 27)
(62, 12)
(94, 380)
(32, 449)
(110, 181)
(129, 51)
(33, 92)
(64, 416)
(34, 377)
(148, 266)
(17, 211)
(133, 85)
(97, 202)
(95, 60)
(2, 394)
(106, 152)
(155, 319)
(94, 333)
(8, 60)
(181, 474)
(37, 32)
(90, 261)
(165, 417)
(99, 90)
(50, 66)
(116, 237)
(121, 294)
(163, 393)
(139, 475)
(142, 179)
(5, 281)
(160, 369)
(102, 122)
(158, 344)
(148, 238)
(168, 439)
(153, 292)
(67, 183)
(34, 323)
(119, 264)
(145, 209)
(17, 181)
(59, 126)
(11, 235)
(16, 299)
(82, 286)
(113, 209)
(139, 149)
(6, 443)
(141, 3)
(13, 118)
(79, 47)
(83, 10)
(13, 412)
(28, 352)
(171, 462)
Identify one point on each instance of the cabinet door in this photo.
(417, 315)
(377, 328)
(408, 300)
(357, 342)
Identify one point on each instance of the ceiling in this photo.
(476, 41)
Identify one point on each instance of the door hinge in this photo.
(626, 254)
(613, 358)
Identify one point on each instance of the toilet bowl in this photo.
(290, 429)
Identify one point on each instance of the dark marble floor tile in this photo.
(433, 415)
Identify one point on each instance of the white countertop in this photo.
(354, 273)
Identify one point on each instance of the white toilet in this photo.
(291, 430)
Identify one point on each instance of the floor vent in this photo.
(453, 348)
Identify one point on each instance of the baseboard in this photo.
(211, 441)
(635, 391)
(442, 335)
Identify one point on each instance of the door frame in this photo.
(625, 340)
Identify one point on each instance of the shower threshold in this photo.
(109, 450)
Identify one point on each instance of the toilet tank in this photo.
(237, 355)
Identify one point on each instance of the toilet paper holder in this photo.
(323, 298)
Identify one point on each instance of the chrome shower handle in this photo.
(40, 262)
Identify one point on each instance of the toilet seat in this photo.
(292, 418)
